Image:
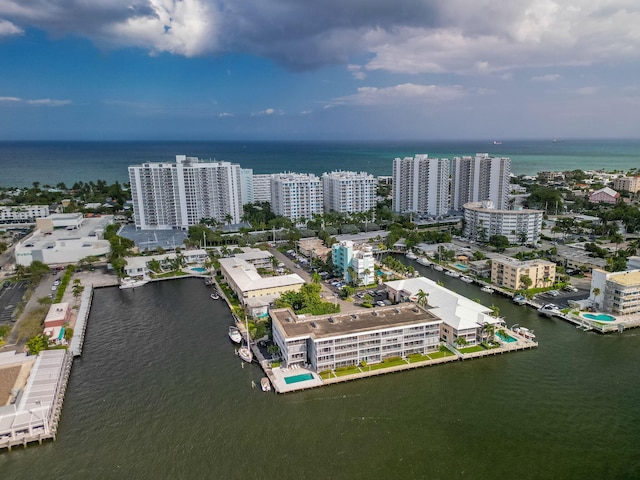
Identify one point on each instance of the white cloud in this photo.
(407, 93)
(48, 102)
(7, 28)
(10, 99)
(356, 71)
(549, 77)
(225, 115)
(267, 112)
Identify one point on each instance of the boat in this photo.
(497, 142)
(234, 334)
(549, 310)
(411, 255)
(452, 274)
(519, 299)
(523, 332)
(265, 384)
(466, 279)
(244, 352)
(424, 261)
(487, 290)
(437, 268)
(132, 283)
(215, 296)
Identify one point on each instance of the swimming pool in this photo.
(298, 378)
(600, 317)
(506, 339)
(380, 273)
(199, 269)
(461, 266)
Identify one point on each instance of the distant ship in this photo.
(497, 142)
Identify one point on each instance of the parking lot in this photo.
(10, 296)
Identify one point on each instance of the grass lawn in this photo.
(378, 366)
(435, 355)
(476, 348)
(349, 371)
(325, 375)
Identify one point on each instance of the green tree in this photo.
(499, 242)
(38, 343)
(423, 298)
(526, 281)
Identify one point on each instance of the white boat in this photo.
(487, 290)
(132, 283)
(235, 335)
(452, 274)
(265, 384)
(424, 261)
(549, 310)
(244, 352)
(411, 255)
(437, 268)
(215, 296)
(466, 279)
(519, 299)
(523, 332)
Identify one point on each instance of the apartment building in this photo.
(421, 185)
(349, 192)
(355, 265)
(168, 195)
(479, 178)
(296, 195)
(629, 184)
(262, 188)
(617, 292)
(509, 272)
(520, 225)
(23, 213)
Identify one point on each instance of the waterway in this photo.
(159, 394)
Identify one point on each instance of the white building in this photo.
(296, 195)
(177, 195)
(355, 265)
(482, 220)
(246, 185)
(262, 188)
(349, 192)
(479, 178)
(139, 266)
(22, 213)
(617, 292)
(421, 185)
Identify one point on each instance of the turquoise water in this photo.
(298, 378)
(601, 317)
(199, 269)
(507, 339)
(460, 266)
(380, 273)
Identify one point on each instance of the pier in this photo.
(75, 347)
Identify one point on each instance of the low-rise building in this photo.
(482, 221)
(258, 258)
(57, 318)
(630, 184)
(616, 292)
(604, 195)
(22, 213)
(139, 266)
(509, 272)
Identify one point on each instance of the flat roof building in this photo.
(348, 192)
(296, 195)
(421, 185)
(509, 272)
(617, 292)
(482, 220)
(479, 178)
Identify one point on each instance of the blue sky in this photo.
(319, 69)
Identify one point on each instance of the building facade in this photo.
(355, 265)
(348, 192)
(479, 178)
(246, 185)
(617, 292)
(421, 185)
(262, 188)
(296, 195)
(629, 184)
(604, 195)
(22, 213)
(177, 195)
(509, 272)
(520, 226)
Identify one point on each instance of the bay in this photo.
(159, 393)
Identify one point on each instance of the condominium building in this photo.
(246, 185)
(349, 192)
(479, 178)
(520, 226)
(617, 292)
(509, 272)
(355, 265)
(630, 184)
(421, 185)
(262, 188)
(296, 195)
(177, 195)
(23, 213)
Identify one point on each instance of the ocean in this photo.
(22, 163)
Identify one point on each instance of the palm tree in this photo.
(596, 293)
(495, 311)
(423, 298)
(351, 274)
(228, 218)
(367, 272)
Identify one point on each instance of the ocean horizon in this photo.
(51, 162)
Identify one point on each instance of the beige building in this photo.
(630, 184)
(508, 272)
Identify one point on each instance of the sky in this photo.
(319, 69)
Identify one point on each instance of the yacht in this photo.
(244, 352)
(424, 261)
(466, 279)
(235, 335)
(411, 255)
(549, 310)
(487, 289)
(215, 296)
(523, 332)
(129, 282)
(452, 274)
(437, 268)
(519, 299)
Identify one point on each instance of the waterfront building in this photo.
(139, 266)
(64, 238)
(348, 192)
(169, 195)
(246, 185)
(296, 195)
(256, 293)
(629, 184)
(617, 292)
(262, 188)
(258, 258)
(421, 185)
(356, 266)
(479, 178)
(22, 213)
(604, 195)
(520, 226)
(508, 272)
(57, 318)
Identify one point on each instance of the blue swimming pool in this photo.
(461, 266)
(298, 378)
(600, 317)
(506, 338)
(199, 269)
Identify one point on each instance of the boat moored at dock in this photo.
(129, 282)
(523, 332)
(549, 310)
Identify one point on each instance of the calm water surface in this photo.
(159, 393)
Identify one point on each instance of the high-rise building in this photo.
(246, 185)
(169, 195)
(296, 195)
(349, 192)
(421, 185)
(262, 187)
(520, 226)
(480, 178)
